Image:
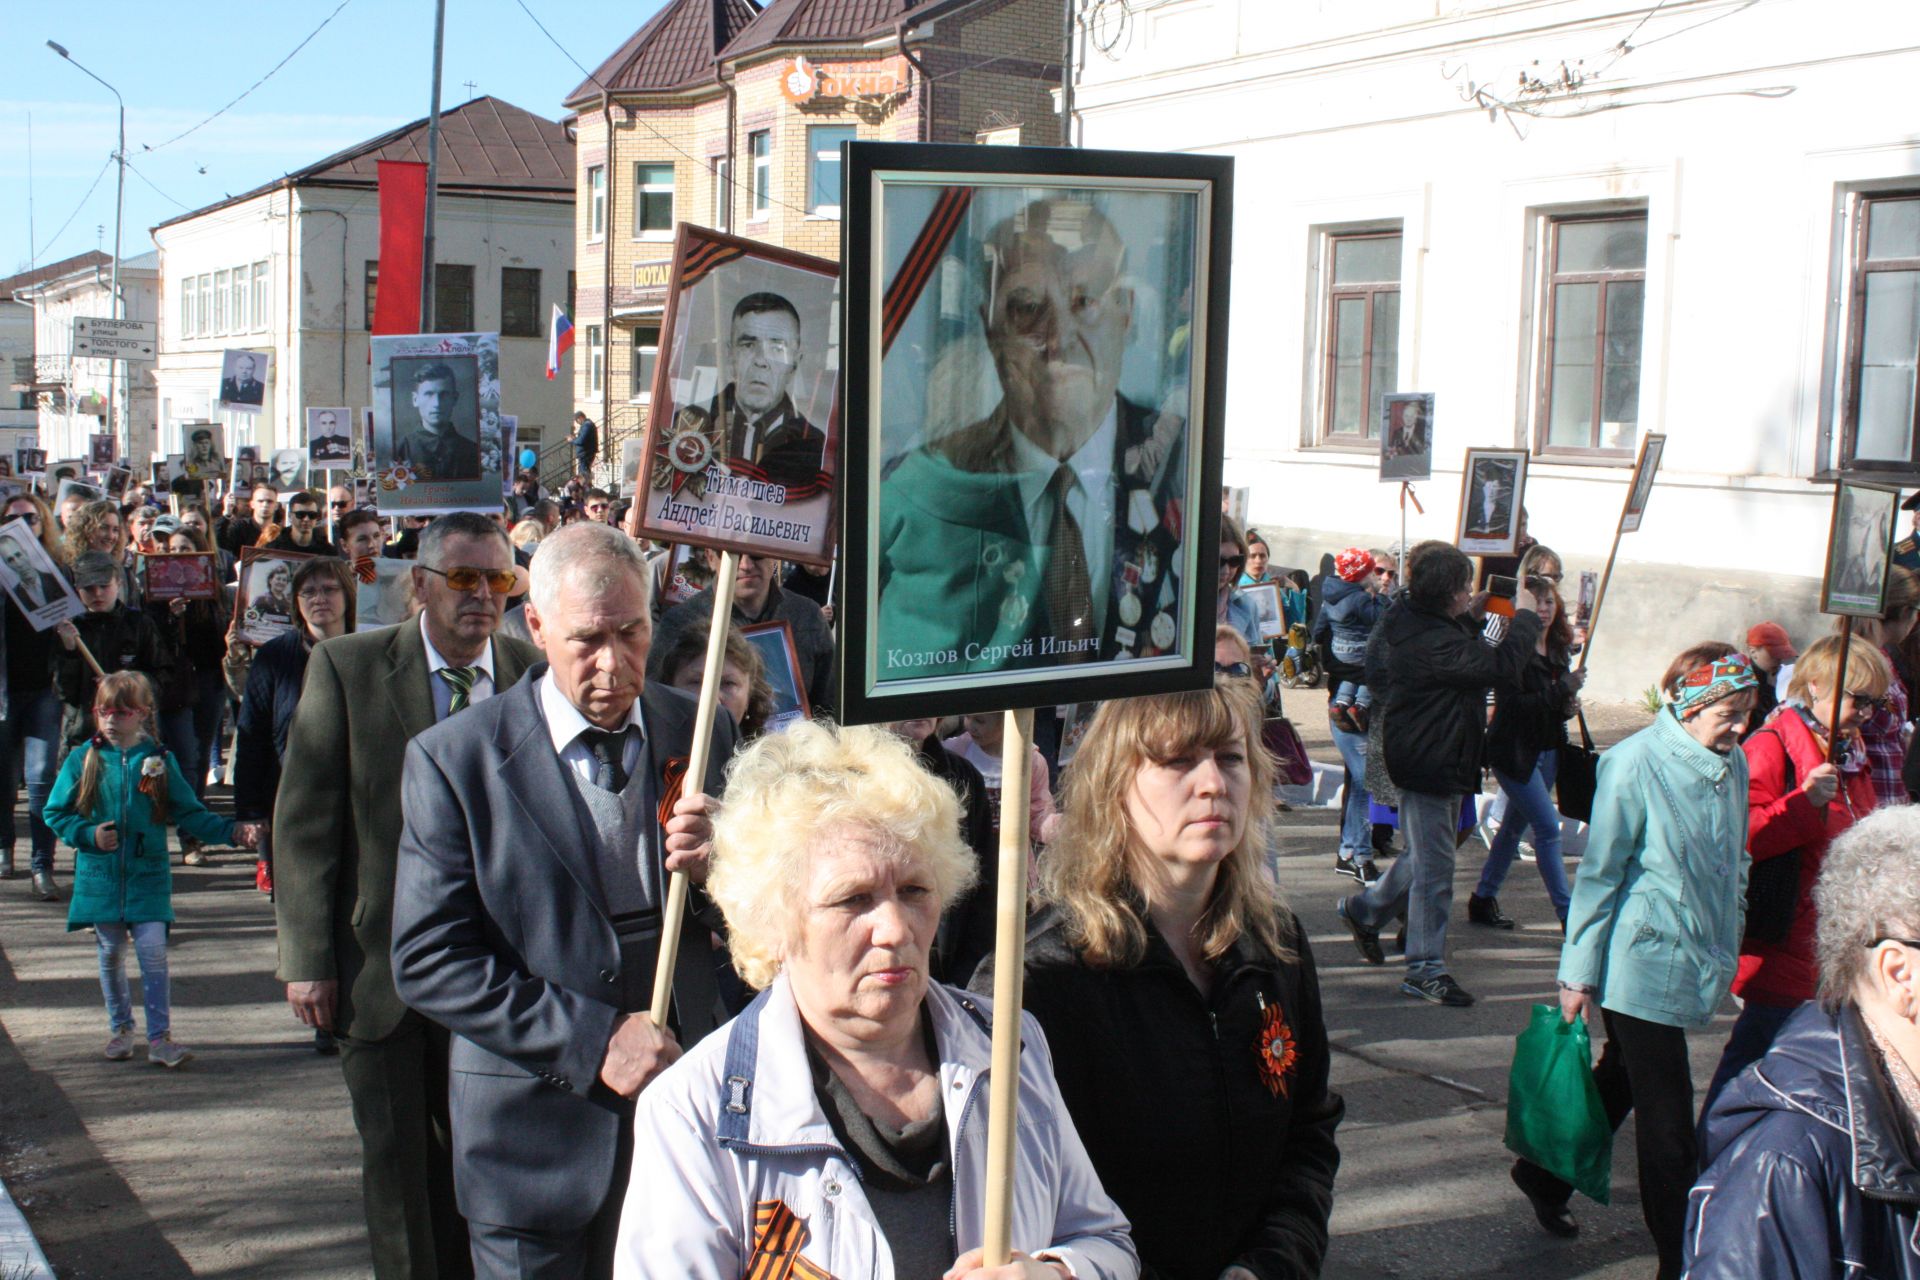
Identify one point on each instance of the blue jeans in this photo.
(1420, 883)
(1752, 1035)
(1529, 805)
(209, 704)
(1356, 829)
(30, 743)
(1353, 695)
(150, 943)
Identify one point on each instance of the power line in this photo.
(257, 83)
(157, 191)
(77, 208)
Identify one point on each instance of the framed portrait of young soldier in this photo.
(436, 422)
(1035, 345)
(739, 450)
(1859, 549)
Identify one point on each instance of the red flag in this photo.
(403, 231)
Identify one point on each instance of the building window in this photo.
(596, 360)
(722, 194)
(261, 320)
(760, 147)
(653, 202)
(452, 298)
(646, 354)
(187, 328)
(1590, 349)
(1362, 326)
(823, 167)
(520, 302)
(1883, 349)
(237, 309)
(572, 279)
(369, 283)
(205, 324)
(597, 201)
(220, 301)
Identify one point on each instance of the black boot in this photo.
(1486, 911)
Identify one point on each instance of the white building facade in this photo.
(80, 396)
(1574, 224)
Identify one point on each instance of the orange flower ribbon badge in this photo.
(1279, 1051)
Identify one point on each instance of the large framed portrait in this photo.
(186, 575)
(243, 380)
(330, 439)
(1406, 436)
(1641, 489)
(1035, 345)
(741, 433)
(436, 422)
(1493, 487)
(32, 581)
(1859, 549)
(263, 601)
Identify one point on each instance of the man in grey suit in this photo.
(527, 913)
(336, 835)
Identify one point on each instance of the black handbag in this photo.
(1579, 773)
(1773, 885)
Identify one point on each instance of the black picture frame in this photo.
(1171, 502)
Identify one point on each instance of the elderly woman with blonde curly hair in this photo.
(1180, 995)
(838, 1125)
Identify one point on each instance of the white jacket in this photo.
(735, 1124)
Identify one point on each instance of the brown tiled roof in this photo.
(53, 271)
(674, 50)
(485, 145)
(820, 22)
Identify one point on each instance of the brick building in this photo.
(730, 115)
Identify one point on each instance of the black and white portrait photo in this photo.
(437, 427)
(243, 380)
(1641, 489)
(436, 422)
(288, 469)
(1492, 490)
(1406, 436)
(1859, 549)
(329, 439)
(204, 458)
(99, 451)
(28, 574)
(29, 459)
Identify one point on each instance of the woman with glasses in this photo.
(1233, 608)
(1801, 794)
(1809, 1157)
(30, 734)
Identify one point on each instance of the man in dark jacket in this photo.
(1438, 665)
(757, 598)
(586, 444)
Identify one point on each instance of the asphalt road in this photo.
(244, 1162)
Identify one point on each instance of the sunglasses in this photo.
(1865, 701)
(500, 581)
(339, 504)
(1233, 562)
(1232, 669)
(304, 515)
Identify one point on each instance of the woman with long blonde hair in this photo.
(1179, 994)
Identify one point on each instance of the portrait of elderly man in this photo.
(850, 1095)
(1048, 531)
(753, 420)
(336, 841)
(445, 445)
(329, 439)
(240, 385)
(525, 923)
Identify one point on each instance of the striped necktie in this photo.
(461, 680)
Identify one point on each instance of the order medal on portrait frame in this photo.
(1035, 345)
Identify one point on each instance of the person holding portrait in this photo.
(758, 597)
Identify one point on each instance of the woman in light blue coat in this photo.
(1653, 932)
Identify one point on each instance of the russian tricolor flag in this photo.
(559, 340)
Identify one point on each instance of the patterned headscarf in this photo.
(1715, 682)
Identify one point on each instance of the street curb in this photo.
(20, 1255)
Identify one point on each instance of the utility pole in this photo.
(433, 167)
(118, 368)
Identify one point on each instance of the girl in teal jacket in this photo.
(112, 802)
(1653, 931)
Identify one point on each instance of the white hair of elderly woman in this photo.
(789, 790)
(587, 546)
(1869, 889)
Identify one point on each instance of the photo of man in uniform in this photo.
(328, 439)
(753, 423)
(445, 446)
(239, 386)
(203, 460)
(1048, 531)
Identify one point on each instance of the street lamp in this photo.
(119, 205)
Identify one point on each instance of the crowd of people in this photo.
(447, 812)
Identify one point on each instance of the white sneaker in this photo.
(120, 1048)
(164, 1052)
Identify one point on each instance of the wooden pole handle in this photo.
(98, 672)
(1840, 688)
(1009, 972)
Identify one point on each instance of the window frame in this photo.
(720, 174)
(643, 191)
(638, 393)
(596, 202)
(595, 337)
(1551, 278)
(239, 298)
(188, 329)
(760, 190)
(451, 276)
(205, 294)
(848, 133)
(221, 289)
(1858, 269)
(530, 325)
(1366, 294)
(262, 298)
(369, 286)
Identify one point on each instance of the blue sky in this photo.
(176, 62)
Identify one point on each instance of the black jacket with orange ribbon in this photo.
(1207, 1117)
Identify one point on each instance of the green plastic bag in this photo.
(1554, 1116)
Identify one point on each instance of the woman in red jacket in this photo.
(1797, 803)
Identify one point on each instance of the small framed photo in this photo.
(243, 380)
(387, 598)
(287, 470)
(117, 480)
(263, 601)
(100, 451)
(205, 456)
(25, 460)
(330, 439)
(509, 443)
(740, 443)
(84, 490)
(1493, 487)
(67, 469)
(1860, 549)
(32, 581)
(1406, 436)
(1265, 599)
(190, 575)
(632, 449)
(436, 422)
(773, 641)
(1641, 489)
(1024, 526)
